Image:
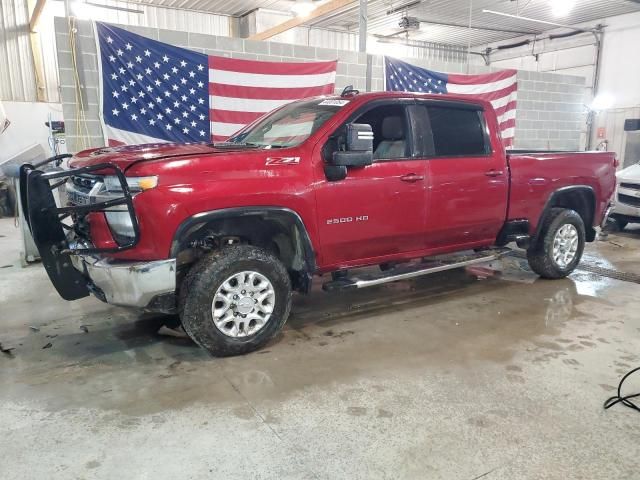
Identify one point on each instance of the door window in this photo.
(458, 131)
(390, 131)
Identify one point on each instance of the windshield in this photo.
(290, 125)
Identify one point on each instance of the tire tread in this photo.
(194, 300)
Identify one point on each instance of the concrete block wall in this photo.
(551, 111)
(548, 114)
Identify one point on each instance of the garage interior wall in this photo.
(619, 74)
(550, 106)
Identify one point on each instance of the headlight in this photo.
(120, 224)
(118, 216)
(136, 184)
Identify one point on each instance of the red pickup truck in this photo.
(223, 233)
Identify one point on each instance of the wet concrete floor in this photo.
(460, 375)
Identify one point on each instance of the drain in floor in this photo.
(597, 269)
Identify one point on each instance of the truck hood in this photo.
(127, 155)
(629, 174)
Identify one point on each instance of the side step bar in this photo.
(431, 265)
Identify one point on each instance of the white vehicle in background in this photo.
(627, 207)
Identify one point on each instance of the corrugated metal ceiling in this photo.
(222, 7)
(461, 11)
(455, 12)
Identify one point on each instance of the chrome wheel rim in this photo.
(565, 245)
(243, 304)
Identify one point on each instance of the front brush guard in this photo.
(45, 221)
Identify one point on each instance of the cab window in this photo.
(390, 131)
(457, 131)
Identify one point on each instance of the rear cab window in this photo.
(447, 129)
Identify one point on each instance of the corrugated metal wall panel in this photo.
(17, 77)
(16, 71)
(48, 46)
(166, 18)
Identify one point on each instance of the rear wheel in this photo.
(560, 244)
(234, 300)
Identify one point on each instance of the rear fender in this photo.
(580, 198)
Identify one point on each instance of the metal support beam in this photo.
(36, 50)
(474, 27)
(362, 26)
(322, 10)
(598, 34)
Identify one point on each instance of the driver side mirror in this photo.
(359, 147)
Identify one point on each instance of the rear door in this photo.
(468, 181)
(377, 210)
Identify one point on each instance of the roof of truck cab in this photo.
(366, 96)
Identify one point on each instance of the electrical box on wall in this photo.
(631, 124)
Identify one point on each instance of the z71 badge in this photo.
(359, 218)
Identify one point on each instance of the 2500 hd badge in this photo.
(359, 218)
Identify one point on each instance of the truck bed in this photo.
(536, 174)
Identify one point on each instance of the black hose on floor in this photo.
(626, 400)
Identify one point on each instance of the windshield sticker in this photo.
(339, 103)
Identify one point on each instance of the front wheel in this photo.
(234, 300)
(560, 244)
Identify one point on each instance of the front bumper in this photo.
(625, 210)
(147, 285)
(627, 200)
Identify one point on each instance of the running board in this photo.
(431, 265)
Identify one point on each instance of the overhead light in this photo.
(302, 8)
(603, 101)
(562, 8)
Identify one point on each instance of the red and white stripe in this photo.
(499, 88)
(241, 91)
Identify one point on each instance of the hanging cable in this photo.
(625, 400)
(81, 120)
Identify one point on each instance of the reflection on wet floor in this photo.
(488, 369)
(450, 318)
(486, 313)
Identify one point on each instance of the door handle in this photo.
(494, 173)
(411, 177)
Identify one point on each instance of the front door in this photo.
(378, 210)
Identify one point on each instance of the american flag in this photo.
(154, 92)
(500, 88)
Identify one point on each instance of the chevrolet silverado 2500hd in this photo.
(223, 233)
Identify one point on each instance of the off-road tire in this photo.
(540, 254)
(199, 288)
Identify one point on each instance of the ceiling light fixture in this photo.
(562, 8)
(302, 8)
(529, 19)
(602, 101)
